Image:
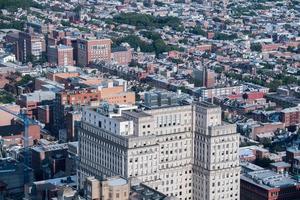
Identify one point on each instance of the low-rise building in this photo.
(290, 116)
(118, 188)
(268, 185)
(122, 55)
(280, 167)
(12, 177)
(207, 93)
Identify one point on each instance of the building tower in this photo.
(216, 172)
(92, 49)
(154, 146)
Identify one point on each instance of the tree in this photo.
(25, 79)
(263, 162)
(256, 47)
(289, 80)
(198, 31)
(245, 96)
(158, 45)
(93, 9)
(65, 23)
(183, 41)
(151, 35)
(273, 85)
(145, 21)
(12, 25)
(218, 70)
(266, 142)
(223, 36)
(6, 97)
(15, 4)
(159, 3)
(77, 9)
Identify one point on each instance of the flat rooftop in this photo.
(137, 113)
(281, 164)
(142, 191)
(293, 149)
(117, 181)
(10, 130)
(70, 180)
(51, 147)
(268, 179)
(250, 166)
(207, 104)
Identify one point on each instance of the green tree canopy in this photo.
(255, 47)
(263, 162)
(144, 21)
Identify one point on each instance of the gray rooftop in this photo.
(280, 164)
(207, 104)
(117, 181)
(268, 179)
(137, 113)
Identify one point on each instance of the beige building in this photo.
(114, 188)
(118, 188)
(183, 151)
(154, 146)
(205, 93)
(216, 157)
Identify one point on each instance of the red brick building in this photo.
(31, 101)
(72, 118)
(209, 79)
(89, 50)
(292, 153)
(6, 117)
(13, 134)
(263, 128)
(60, 55)
(114, 94)
(44, 114)
(280, 167)
(61, 77)
(122, 55)
(30, 45)
(269, 47)
(268, 185)
(290, 116)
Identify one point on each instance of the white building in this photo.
(155, 146)
(216, 158)
(205, 93)
(4, 58)
(184, 151)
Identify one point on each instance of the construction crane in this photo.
(26, 121)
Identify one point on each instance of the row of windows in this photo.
(103, 135)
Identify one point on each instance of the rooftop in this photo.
(51, 147)
(144, 192)
(207, 104)
(117, 181)
(9, 130)
(251, 166)
(117, 49)
(8, 165)
(293, 149)
(280, 164)
(268, 179)
(70, 180)
(137, 113)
